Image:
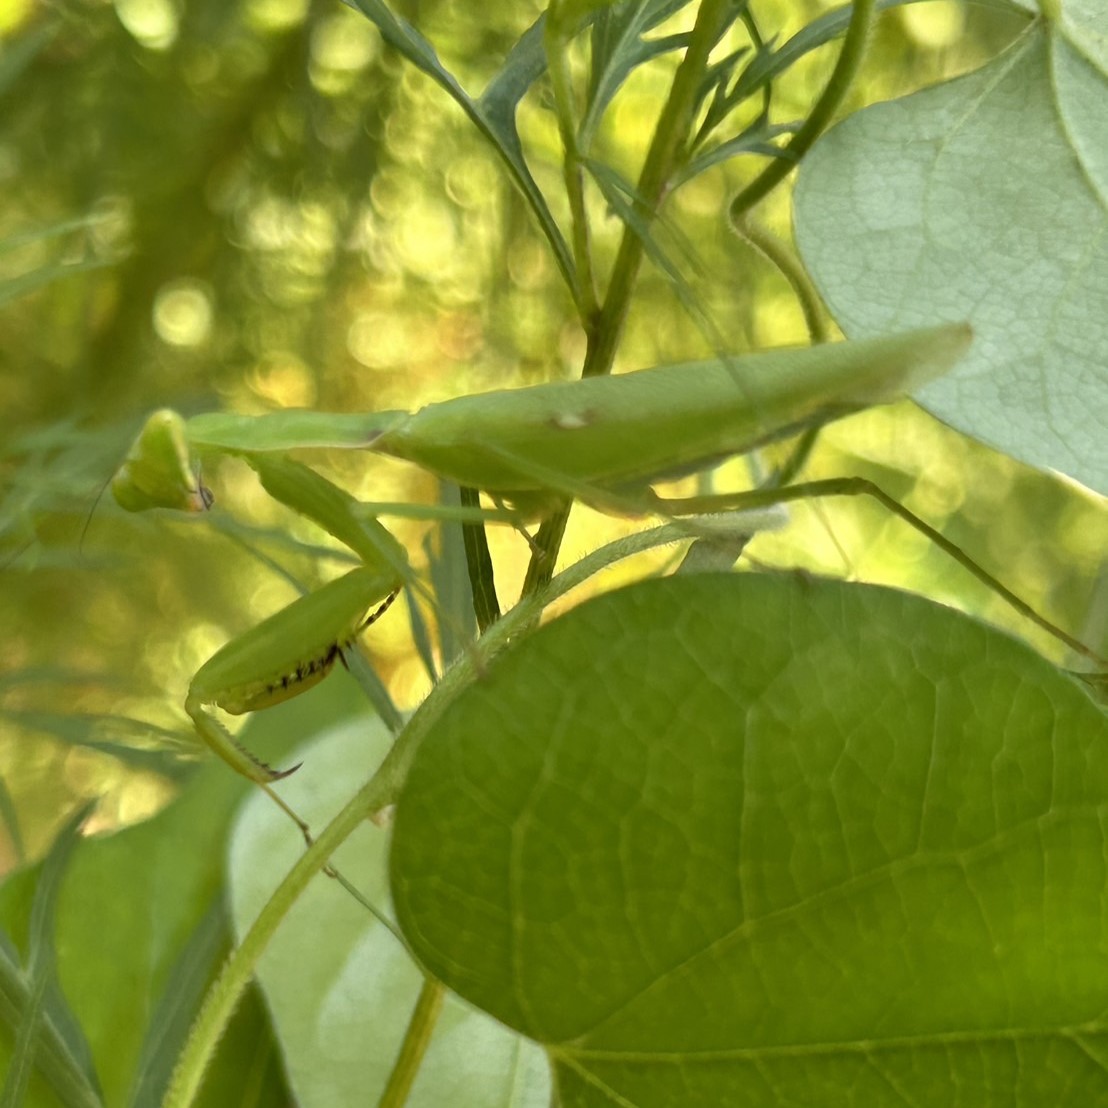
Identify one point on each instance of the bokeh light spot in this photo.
(13, 13)
(276, 15)
(344, 42)
(183, 312)
(153, 23)
(284, 380)
(379, 340)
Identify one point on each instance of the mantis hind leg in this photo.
(860, 486)
(327, 869)
(305, 830)
(309, 841)
(220, 740)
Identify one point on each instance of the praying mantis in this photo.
(595, 439)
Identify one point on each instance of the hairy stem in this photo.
(842, 76)
(224, 995)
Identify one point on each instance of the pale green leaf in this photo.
(128, 953)
(771, 840)
(1085, 24)
(493, 114)
(985, 198)
(339, 986)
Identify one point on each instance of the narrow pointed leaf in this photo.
(768, 64)
(494, 117)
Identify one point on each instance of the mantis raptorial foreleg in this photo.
(295, 648)
(283, 656)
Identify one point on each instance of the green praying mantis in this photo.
(595, 439)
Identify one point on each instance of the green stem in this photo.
(789, 266)
(224, 994)
(546, 543)
(558, 66)
(842, 76)
(482, 579)
(605, 328)
(416, 1040)
(796, 461)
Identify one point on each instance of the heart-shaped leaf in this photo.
(985, 198)
(758, 840)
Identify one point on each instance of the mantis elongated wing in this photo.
(671, 419)
(618, 430)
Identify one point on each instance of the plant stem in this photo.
(547, 541)
(842, 76)
(224, 994)
(416, 1040)
(789, 266)
(605, 328)
(557, 45)
(482, 580)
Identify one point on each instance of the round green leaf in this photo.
(761, 840)
(984, 198)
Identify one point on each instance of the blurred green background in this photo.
(253, 204)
